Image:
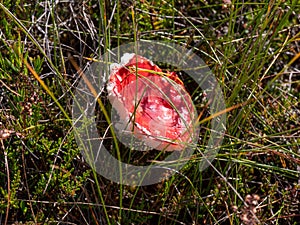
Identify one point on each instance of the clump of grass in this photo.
(253, 51)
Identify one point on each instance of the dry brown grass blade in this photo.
(89, 84)
(223, 111)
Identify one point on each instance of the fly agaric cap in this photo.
(153, 105)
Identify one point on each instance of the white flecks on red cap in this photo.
(160, 110)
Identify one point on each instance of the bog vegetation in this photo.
(252, 48)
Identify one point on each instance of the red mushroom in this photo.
(153, 104)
